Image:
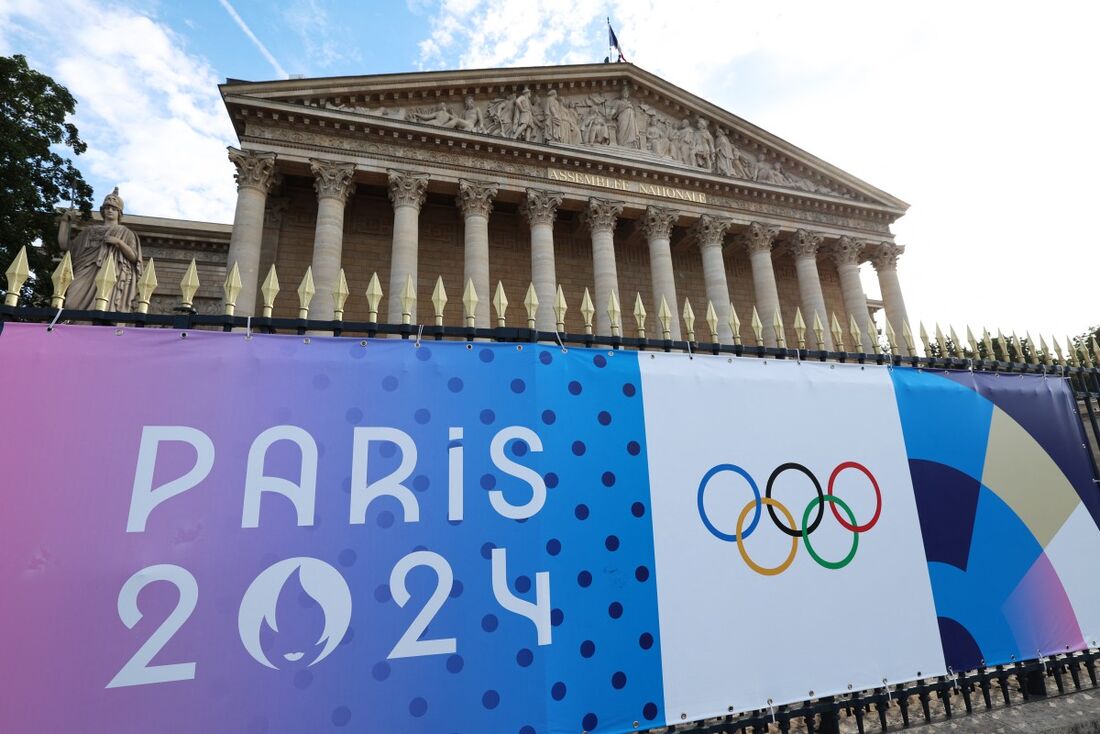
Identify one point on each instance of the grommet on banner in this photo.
(419, 333)
(248, 329)
(55, 318)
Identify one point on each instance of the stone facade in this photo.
(601, 176)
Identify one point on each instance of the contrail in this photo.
(252, 36)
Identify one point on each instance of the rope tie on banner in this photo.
(771, 709)
(885, 685)
(419, 333)
(691, 356)
(56, 316)
(560, 342)
(248, 328)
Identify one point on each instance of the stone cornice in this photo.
(601, 214)
(407, 188)
(657, 222)
(475, 197)
(710, 231)
(332, 179)
(760, 237)
(255, 170)
(541, 207)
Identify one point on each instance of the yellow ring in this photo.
(741, 545)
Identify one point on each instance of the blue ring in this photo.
(703, 513)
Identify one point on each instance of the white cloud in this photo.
(149, 111)
(326, 43)
(979, 114)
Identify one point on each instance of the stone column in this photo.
(407, 190)
(601, 216)
(846, 253)
(885, 260)
(657, 227)
(476, 201)
(333, 183)
(759, 241)
(255, 172)
(540, 208)
(803, 246)
(709, 234)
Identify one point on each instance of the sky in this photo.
(981, 115)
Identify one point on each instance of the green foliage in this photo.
(34, 176)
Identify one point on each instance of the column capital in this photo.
(847, 251)
(407, 188)
(601, 214)
(541, 207)
(332, 179)
(255, 170)
(760, 237)
(885, 256)
(804, 243)
(475, 197)
(710, 231)
(657, 223)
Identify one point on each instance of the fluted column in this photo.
(657, 228)
(255, 172)
(333, 183)
(407, 190)
(475, 199)
(759, 241)
(709, 234)
(601, 216)
(847, 253)
(540, 208)
(803, 246)
(885, 260)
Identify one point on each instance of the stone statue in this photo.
(702, 151)
(472, 115)
(555, 118)
(594, 128)
(727, 159)
(442, 116)
(93, 246)
(626, 123)
(571, 122)
(523, 123)
(657, 138)
(502, 113)
(683, 142)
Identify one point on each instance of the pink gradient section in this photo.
(1040, 613)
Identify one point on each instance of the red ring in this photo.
(878, 497)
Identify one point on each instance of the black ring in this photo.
(820, 496)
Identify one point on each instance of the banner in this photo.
(221, 532)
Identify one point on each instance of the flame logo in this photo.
(319, 580)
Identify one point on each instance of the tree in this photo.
(34, 176)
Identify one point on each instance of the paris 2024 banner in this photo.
(277, 534)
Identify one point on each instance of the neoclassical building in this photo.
(597, 176)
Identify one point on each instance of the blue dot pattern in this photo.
(602, 671)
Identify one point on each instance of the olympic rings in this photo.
(834, 565)
(741, 533)
(741, 546)
(703, 513)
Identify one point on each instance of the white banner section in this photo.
(752, 611)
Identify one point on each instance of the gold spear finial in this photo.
(408, 300)
(972, 342)
(306, 291)
(62, 278)
(269, 290)
(500, 305)
(560, 308)
(712, 321)
(956, 343)
(799, 327)
(856, 332)
(757, 327)
(735, 325)
(639, 315)
(588, 310)
(1045, 350)
(891, 338)
(189, 285)
(1095, 351)
(439, 300)
(872, 336)
(941, 342)
(146, 286)
(1058, 351)
(689, 320)
(340, 296)
(664, 315)
(925, 341)
(819, 331)
(531, 304)
(778, 330)
(838, 334)
(232, 288)
(1033, 348)
(374, 297)
(469, 302)
(17, 274)
(987, 342)
(614, 313)
(105, 281)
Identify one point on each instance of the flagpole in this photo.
(609, 47)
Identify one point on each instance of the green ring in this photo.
(834, 565)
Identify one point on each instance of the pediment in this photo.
(615, 109)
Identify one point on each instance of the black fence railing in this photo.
(889, 707)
